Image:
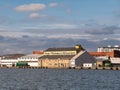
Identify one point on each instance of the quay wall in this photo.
(78, 68)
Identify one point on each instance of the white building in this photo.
(115, 60)
(108, 48)
(9, 60)
(31, 59)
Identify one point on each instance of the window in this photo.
(55, 64)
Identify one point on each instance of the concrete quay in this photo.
(99, 68)
(78, 68)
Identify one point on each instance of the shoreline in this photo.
(76, 68)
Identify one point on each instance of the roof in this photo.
(100, 60)
(38, 52)
(110, 47)
(85, 57)
(56, 57)
(61, 49)
(11, 56)
(32, 56)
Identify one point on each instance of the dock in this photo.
(77, 68)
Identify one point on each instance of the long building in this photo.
(66, 58)
(108, 48)
(30, 59)
(9, 60)
(114, 53)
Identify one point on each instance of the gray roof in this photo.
(11, 56)
(85, 58)
(61, 49)
(101, 60)
(32, 56)
(56, 57)
(110, 47)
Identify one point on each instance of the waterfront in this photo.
(59, 79)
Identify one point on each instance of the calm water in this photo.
(59, 79)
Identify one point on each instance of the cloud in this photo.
(103, 31)
(99, 32)
(36, 15)
(111, 28)
(53, 4)
(24, 42)
(57, 26)
(31, 7)
(28, 44)
(1, 37)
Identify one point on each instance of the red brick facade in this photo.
(114, 53)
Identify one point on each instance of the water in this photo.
(59, 79)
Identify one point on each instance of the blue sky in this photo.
(27, 25)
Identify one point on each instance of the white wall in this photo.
(72, 63)
(115, 60)
(87, 65)
(8, 62)
(33, 64)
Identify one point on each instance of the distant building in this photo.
(31, 59)
(55, 61)
(38, 52)
(109, 53)
(109, 48)
(114, 53)
(66, 57)
(115, 62)
(9, 60)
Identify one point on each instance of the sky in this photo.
(28, 25)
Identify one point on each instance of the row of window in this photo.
(28, 58)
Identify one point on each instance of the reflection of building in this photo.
(66, 57)
(31, 59)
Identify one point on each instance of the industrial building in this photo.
(68, 57)
(9, 60)
(30, 59)
(109, 53)
(108, 48)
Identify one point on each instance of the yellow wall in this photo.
(56, 63)
(99, 64)
(60, 53)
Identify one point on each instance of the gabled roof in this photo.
(85, 58)
(56, 57)
(61, 49)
